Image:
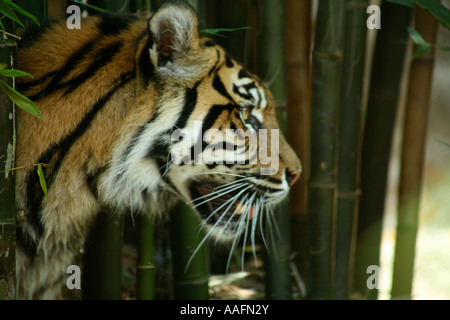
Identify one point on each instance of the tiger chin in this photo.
(112, 95)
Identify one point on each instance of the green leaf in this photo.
(13, 73)
(216, 32)
(8, 12)
(424, 46)
(437, 10)
(18, 9)
(42, 179)
(417, 37)
(421, 51)
(21, 101)
(444, 143)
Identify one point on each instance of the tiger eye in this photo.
(245, 113)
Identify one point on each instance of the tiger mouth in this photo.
(219, 207)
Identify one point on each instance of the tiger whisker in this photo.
(246, 216)
(220, 194)
(226, 173)
(214, 226)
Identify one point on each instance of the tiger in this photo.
(112, 94)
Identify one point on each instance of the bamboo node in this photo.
(349, 194)
(322, 185)
(145, 267)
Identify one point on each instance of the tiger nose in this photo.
(292, 176)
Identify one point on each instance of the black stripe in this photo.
(33, 34)
(229, 61)
(246, 96)
(56, 153)
(26, 243)
(24, 86)
(102, 58)
(71, 64)
(214, 112)
(190, 101)
(243, 74)
(158, 150)
(216, 64)
(210, 43)
(218, 85)
(208, 122)
(145, 66)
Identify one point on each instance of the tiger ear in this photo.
(174, 30)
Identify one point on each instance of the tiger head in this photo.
(213, 138)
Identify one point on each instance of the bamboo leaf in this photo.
(42, 179)
(437, 10)
(18, 9)
(444, 143)
(21, 101)
(417, 37)
(13, 73)
(8, 12)
(216, 32)
(424, 46)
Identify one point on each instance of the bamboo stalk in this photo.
(102, 261)
(7, 181)
(350, 136)
(189, 270)
(386, 79)
(271, 67)
(145, 269)
(412, 159)
(57, 9)
(298, 102)
(326, 84)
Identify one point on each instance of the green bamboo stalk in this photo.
(189, 271)
(298, 103)
(412, 160)
(350, 136)
(57, 9)
(326, 86)
(271, 62)
(145, 269)
(102, 262)
(381, 111)
(7, 179)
